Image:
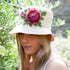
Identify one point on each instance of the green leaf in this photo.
(13, 1)
(28, 8)
(35, 24)
(27, 2)
(63, 22)
(25, 10)
(23, 17)
(39, 24)
(25, 21)
(40, 11)
(4, 6)
(31, 3)
(68, 32)
(42, 18)
(40, 1)
(9, 1)
(30, 24)
(57, 3)
(24, 24)
(43, 13)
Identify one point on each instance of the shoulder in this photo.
(56, 64)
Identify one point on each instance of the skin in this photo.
(31, 41)
(56, 64)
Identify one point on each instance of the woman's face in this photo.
(30, 43)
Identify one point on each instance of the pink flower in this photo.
(33, 16)
(21, 14)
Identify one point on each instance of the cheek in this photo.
(21, 41)
(36, 45)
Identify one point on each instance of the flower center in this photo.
(34, 17)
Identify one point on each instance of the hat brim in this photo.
(31, 30)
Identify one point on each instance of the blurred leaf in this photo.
(40, 1)
(27, 1)
(13, 1)
(57, 3)
(31, 3)
(68, 32)
(58, 22)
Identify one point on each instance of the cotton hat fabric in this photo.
(37, 30)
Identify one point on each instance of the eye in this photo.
(20, 33)
(31, 35)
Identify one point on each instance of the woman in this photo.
(34, 37)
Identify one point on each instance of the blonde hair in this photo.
(40, 57)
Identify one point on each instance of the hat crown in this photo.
(47, 18)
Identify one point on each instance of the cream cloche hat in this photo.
(34, 20)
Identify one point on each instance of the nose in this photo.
(25, 39)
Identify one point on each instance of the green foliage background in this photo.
(8, 52)
(8, 13)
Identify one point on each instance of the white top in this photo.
(50, 60)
